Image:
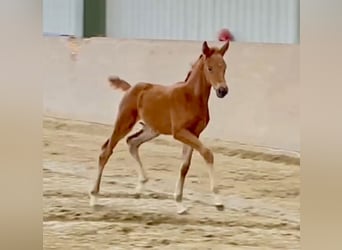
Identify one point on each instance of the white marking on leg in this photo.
(178, 190)
(140, 187)
(181, 209)
(213, 188)
(142, 179)
(134, 144)
(92, 200)
(217, 200)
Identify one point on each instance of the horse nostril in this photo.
(223, 90)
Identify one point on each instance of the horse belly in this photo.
(154, 110)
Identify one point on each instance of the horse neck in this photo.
(198, 83)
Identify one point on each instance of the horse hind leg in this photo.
(134, 142)
(123, 126)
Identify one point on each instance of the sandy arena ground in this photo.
(260, 192)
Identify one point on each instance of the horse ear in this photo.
(224, 48)
(206, 50)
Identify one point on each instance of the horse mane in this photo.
(192, 67)
(213, 51)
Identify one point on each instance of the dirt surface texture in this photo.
(260, 189)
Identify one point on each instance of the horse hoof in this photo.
(181, 209)
(219, 207)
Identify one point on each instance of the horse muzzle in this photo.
(221, 92)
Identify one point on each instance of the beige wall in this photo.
(262, 107)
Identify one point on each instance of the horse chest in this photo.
(200, 119)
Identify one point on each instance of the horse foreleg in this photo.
(187, 155)
(191, 140)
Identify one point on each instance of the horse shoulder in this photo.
(179, 96)
(183, 105)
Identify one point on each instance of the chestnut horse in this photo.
(180, 110)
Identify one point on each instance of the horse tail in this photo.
(117, 83)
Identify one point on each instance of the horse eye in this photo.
(210, 68)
